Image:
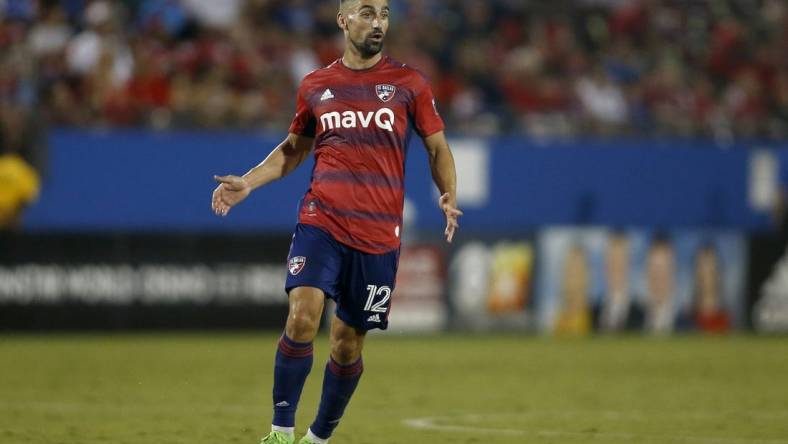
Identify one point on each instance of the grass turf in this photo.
(215, 388)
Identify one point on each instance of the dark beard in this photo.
(368, 48)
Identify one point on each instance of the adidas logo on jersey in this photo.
(374, 318)
(326, 95)
(383, 118)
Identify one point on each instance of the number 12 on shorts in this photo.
(379, 306)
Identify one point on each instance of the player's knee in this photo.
(302, 327)
(345, 351)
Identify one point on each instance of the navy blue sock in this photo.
(339, 383)
(293, 363)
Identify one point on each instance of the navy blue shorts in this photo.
(360, 283)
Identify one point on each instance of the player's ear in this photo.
(342, 21)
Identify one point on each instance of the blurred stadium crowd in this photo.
(603, 67)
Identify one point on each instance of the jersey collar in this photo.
(374, 67)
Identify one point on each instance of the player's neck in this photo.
(357, 62)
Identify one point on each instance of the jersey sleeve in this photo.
(424, 112)
(304, 122)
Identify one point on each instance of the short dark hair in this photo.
(342, 3)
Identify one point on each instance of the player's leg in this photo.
(313, 264)
(294, 355)
(363, 303)
(341, 376)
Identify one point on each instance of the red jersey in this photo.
(361, 121)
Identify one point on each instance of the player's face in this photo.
(365, 23)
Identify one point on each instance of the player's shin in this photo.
(339, 383)
(293, 364)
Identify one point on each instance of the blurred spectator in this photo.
(602, 101)
(214, 14)
(574, 317)
(653, 67)
(19, 181)
(616, 311)
(708, 312)
(100, 46)
(100, 57)
(660, 287)
(162, 16)
(49, 36)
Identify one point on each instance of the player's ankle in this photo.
(286, 430)
(314, 438)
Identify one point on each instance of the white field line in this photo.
(634, 415)
(460, 424)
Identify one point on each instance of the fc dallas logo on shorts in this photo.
(385, 92)
(296, 264)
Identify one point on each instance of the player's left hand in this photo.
(449, 208)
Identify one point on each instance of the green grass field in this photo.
(212, 389)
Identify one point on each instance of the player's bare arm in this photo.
(282, 161)
(445, 177)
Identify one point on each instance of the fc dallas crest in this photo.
(296, 264)
(385, 92)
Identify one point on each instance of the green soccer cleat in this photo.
(278, 438)
(311, 438)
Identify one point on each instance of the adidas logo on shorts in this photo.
(374, 318)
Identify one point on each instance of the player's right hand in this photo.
(231, 190)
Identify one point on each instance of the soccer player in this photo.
(357, 113)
